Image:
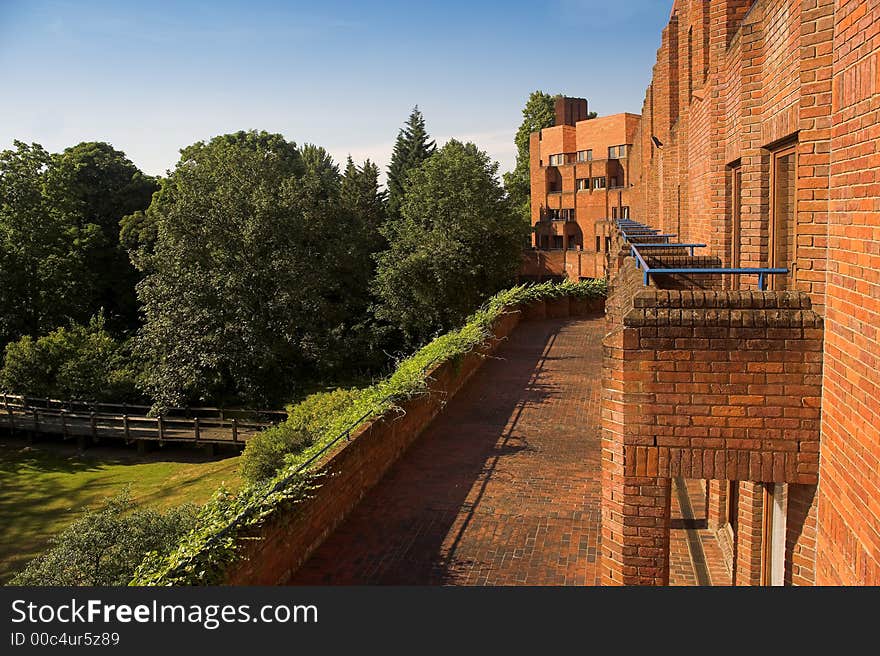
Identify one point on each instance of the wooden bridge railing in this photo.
(78, 419)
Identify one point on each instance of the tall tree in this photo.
(320, 165)
(458, 241)
(412, 147)
(44, 277)
(92, 183)
(539, 113)
(243, 295)
(361, 195)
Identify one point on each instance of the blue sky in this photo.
(151, 78)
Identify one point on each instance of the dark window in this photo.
(598, 243)
(783, 224)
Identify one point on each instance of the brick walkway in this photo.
(502, 489)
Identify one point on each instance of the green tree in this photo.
(106, 545)
(93, 184)
(243, 295)
(76, 362)
(320, 165)
(44, 277)
(361, 195)
(412, 147)
(539, 113)
(458, 241)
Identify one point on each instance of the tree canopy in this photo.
(92, 183)
(538, 113)
(246, 287)
(44, 275)
(458, 241)
(412, 147)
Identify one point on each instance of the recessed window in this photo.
(556, 160)
(585, 156)
(583, 184)
(616, 152)
(599, 183)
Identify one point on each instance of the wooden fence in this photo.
(80, 420)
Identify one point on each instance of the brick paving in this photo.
(502, 489)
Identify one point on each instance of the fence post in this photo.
(94, 425)
(11, 421)
(64, 423)
(234, 430)
(161, 424)
(125, 426)
(196, 428)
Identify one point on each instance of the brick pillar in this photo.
(749, 542)
(635, 502)
(635, 535)
(716, 504)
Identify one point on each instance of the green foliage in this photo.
(93, 184)
(538, 113)
(249, 281)
(320, 166)
(204, 553)
(458, 242)
(77, 362)
(412, 147)
(44, 274)
(105, 545)
(268, 451)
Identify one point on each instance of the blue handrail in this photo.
(648, 271)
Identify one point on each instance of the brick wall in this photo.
(286, 541)
(848, 550)
(734, 81)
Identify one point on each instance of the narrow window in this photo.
(598, 243)
(783, 222)
(735, 204)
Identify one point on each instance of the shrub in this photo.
(105, 545)
(265, 452)
(76, 362)
(271, 449)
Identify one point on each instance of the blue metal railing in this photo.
(631, 229)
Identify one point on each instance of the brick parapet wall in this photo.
(702, 384)
(278, 548)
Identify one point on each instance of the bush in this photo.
(77, 362)
(106, 545)
(271, 449)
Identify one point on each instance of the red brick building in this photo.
(580, 177)
(758, 138)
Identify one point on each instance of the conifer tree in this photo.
(413, 146)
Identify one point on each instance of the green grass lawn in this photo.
(43, 487)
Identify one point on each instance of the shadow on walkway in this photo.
(502, 488)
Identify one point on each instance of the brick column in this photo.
(749, 542)
(635, 502)
(716, 504)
